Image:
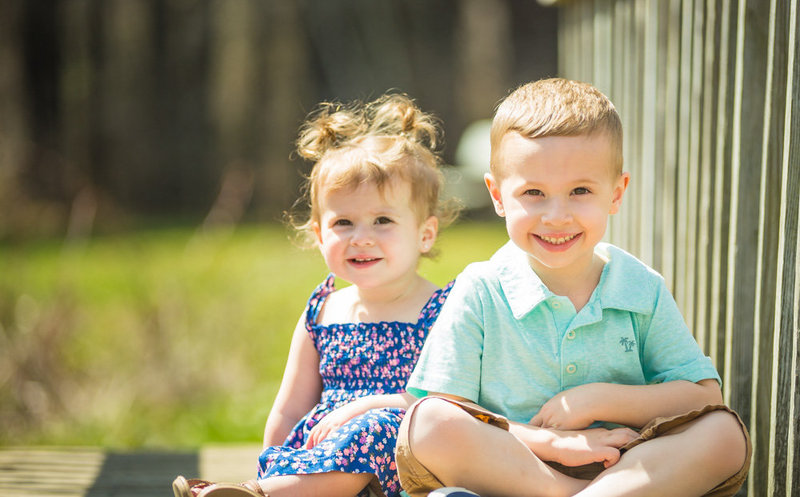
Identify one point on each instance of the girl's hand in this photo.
(576, 448)
(332, 421)
(571, 409)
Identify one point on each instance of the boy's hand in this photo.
(576, 448)
(570, 409)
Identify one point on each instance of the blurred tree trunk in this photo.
(12, 101)
(43, 171)
(484, 54)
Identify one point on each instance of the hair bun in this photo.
(329, 126)
(397, 114)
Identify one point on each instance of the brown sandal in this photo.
(250, 488)
(182, 487)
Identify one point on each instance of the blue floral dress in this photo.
(356, 359)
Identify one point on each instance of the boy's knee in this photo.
(432, 422)
(732, 444)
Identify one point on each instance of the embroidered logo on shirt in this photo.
(627, 343)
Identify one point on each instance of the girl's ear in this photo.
(619, 190)
(494, 191)
(317, 232)
(428, 231)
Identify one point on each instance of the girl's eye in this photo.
(383, 220)
(580, 191)
(534, 192)
(342, 222)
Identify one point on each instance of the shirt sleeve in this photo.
(669, 350)
(450, 361)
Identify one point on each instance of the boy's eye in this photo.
(581, 191)
(383, 220)
(534, 192)
(342, 222)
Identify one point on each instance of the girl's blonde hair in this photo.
(556, 107)
(389, 139)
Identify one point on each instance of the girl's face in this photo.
(371, 239)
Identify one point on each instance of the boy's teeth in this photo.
(559, 240)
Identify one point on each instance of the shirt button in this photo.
(556, 305)
(571, 335)
(571, 368)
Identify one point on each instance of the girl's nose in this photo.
(362, 237)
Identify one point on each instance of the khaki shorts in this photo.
(417, 481)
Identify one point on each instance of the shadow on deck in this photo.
(93, 472)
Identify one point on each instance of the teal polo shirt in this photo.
(507, 343)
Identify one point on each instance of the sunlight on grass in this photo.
(164, 338)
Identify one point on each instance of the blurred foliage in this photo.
(165, 337)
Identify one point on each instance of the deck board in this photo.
(95, 472)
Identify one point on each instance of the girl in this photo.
(373, 196)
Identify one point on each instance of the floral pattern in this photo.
(356, 359)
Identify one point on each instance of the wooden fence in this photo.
(709, 94)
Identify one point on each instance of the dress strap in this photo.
(431, 309)
(317, 300)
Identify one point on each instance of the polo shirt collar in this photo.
(521, 285)
(524, 289)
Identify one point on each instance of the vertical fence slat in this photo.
(769, 290)
(722, 183)
(787, 301)
(648, 151)
(792, 151)
(706, 227)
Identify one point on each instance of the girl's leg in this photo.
(333, 484)
(688, 461)
(464, 452)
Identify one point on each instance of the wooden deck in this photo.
(94, 472)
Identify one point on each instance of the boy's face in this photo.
(556, 194)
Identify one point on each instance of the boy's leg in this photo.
(441, 444)
(706, 456)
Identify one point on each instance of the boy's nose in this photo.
(557, 212)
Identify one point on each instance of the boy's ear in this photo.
(428, 231)
(494, 191)
(619, 189)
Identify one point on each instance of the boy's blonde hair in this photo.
(379, 143)
(556, 107)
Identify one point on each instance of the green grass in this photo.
(163, 338)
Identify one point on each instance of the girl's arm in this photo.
(300, 390)
(629, 405)
(345, 413)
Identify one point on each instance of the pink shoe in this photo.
(182, 487)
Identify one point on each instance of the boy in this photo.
(545, 354)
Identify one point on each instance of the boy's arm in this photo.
(570, 448)
(629, 405)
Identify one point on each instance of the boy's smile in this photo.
(556, 194)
